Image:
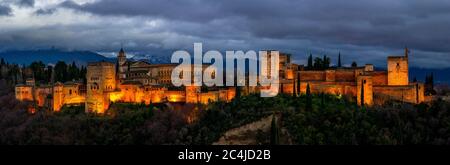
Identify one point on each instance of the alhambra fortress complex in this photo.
(141, 82)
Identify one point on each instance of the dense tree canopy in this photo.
(42, 73)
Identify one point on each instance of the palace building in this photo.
(375, 86)
(141, 82)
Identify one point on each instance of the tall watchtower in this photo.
(121, 60)
(101, 81)
(398, 71)
(121, 57)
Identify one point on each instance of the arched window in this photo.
(94, 86)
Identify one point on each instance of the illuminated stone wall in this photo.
(101, 81)
(131, 93)
(41, 94)
(231, 93)
(290, 74)
(344, 75)
(208, 97)
(366, 83)
(369, 68)
(288, 87)
(175, 96)
(398, 70)
(157, 96)
(223, 95)
(312, 75)
(24, 93)
(379, 77)
(420, 92)
(192, 94)
(342, 88)
(413, 93)
(58, 96)
(330, 75)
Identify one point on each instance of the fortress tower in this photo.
(121, 57)
(58, 97)
(398, 69)
(364, 90)
(121, 60)
(101, 82)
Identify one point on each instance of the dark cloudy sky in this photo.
(366, 31)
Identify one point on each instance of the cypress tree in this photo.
(326, 62)
(308, 98)
(362, 93)
(431, 84)
(282, 88)
(274, 133)
(310, 62)
(238, 92)
(339, 60)
(354, 64)
(298, 84)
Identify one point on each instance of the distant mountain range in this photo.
(52, 56)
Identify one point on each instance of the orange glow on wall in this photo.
(289, 74)
(115, 96)
(24, 93)
(103, 87)
(175, 96)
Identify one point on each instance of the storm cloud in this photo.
(5, 10)
(26, 3)
(365, 31)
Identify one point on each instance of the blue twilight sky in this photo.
(366, 31)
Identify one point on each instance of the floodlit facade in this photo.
(141, 82)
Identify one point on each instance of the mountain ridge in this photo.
(51, 56)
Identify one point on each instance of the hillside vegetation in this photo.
(328, 120)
